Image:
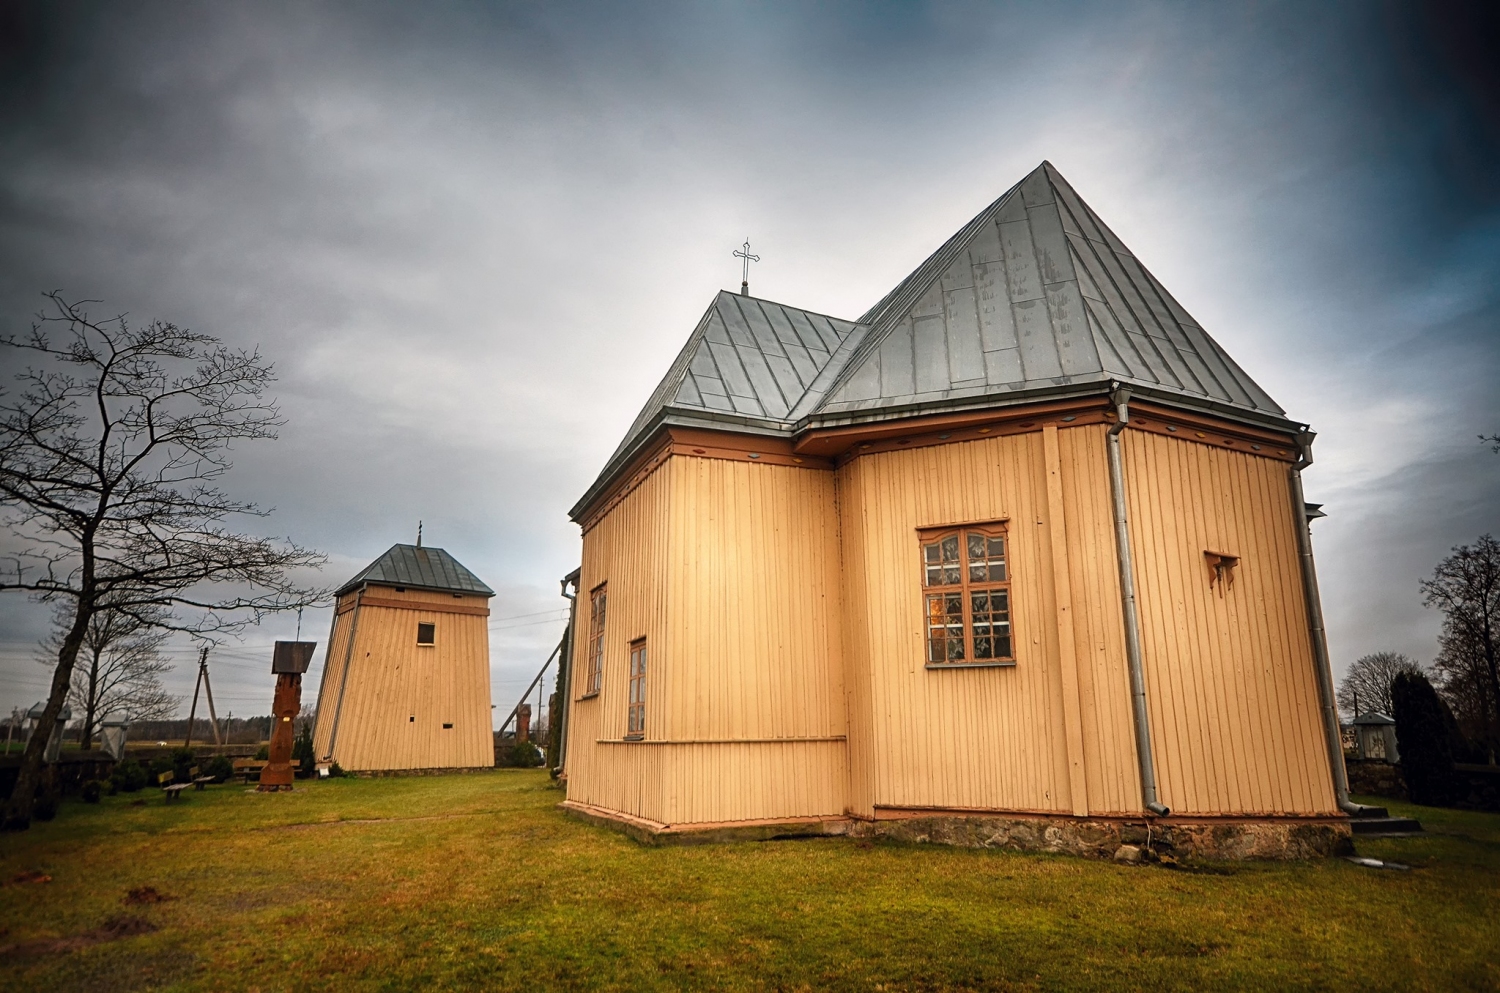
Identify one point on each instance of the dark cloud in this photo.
(472, 236)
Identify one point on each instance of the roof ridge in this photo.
(789, 306)
(876, 316)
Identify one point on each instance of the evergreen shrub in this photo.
(302, 753)
(128, 776)
(1428, 739)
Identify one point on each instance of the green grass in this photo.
(478, 882)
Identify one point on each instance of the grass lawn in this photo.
(478, 882)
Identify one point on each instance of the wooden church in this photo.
(406, 681)
(1018, 557)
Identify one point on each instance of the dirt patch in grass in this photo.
(145, 894)
(30, 876)
(113, 929)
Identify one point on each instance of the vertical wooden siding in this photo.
(392, 679)
(708, 560)
(756, 648)
(1229, 673)
(333, 673)
(975, 737)
(626, 549)
(729, 570)
(1113, 775)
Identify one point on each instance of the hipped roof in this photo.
(1034, 298)
(418, 567)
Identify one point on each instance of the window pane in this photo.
(986, 559)
(932, 558)
(635, 720)
(595, 644)
(945, 628)
(951, 573)
(991, 619)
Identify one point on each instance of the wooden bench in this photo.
(202, 781)
(173, 790)
(245, 768)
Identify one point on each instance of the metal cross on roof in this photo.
(744, 253)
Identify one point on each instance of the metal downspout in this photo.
(338, 709)
(565, 672)
(1319, 636)
(1120, 397)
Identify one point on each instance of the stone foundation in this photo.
(1178, 837)
(439, 771)
(1121, 838)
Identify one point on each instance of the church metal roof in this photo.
(1035, 294)
(748, 360)
(1034, 297)
(418, 567)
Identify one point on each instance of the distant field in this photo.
(478, 882)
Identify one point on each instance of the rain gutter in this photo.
(1120, 397)
(1319, 636)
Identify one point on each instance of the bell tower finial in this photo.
(419, 534)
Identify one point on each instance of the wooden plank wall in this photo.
(756, 641)
(736, 592)
(333, 670)
(783, 612)
(1229, 673)
(1112, 773)
(626, 549)
(958, 738)
(393, 679)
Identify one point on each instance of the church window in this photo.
(426, 634)
(635, 725)
(595, 644)
(966, 582)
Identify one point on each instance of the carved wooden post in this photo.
(289, 663)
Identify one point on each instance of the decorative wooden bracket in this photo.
(1221, 569)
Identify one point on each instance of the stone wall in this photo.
(1279, 839)
(1374, 777)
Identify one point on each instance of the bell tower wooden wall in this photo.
(399, 695)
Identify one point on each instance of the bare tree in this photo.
(1463, 682)
(1367, 684)
(120, 662)
(110, 451)
(1493, 440)
(1465, 586)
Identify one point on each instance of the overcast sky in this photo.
(472, 237)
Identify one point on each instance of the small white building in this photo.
(1375, 737)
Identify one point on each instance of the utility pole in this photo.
(193, 710)
(202, 683)
(208, 691)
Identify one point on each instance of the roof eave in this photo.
(393, 584)
(1090, 387)
(648, 435)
